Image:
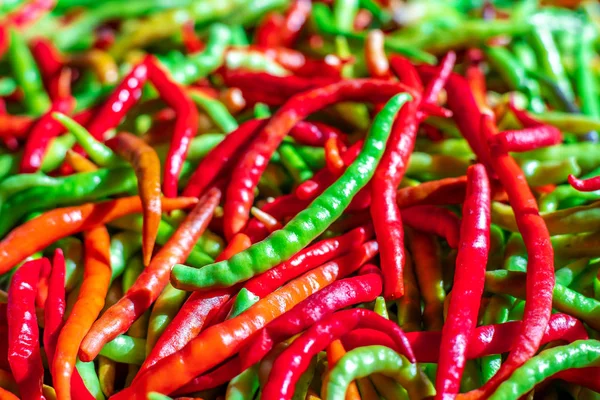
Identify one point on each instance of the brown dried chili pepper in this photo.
(469, 279)
(96, 279)
(245, 176)
(39, 233)
(148, 286)
(146, 164)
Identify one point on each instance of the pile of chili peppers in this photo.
(296, 199)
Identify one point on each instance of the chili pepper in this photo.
(216, 347)
(436, 220)
(152, 281)
(468, 282)
(585, 185)
(125, 349)
(334, 297)
(332, 155)
(243, 386)
(585, 82)
(356, 175)
(55, 305)
(216, 110)
(377, 62)
(27, 74)
(23, 337)
(297, 356)
(384, 211)
(38, 233)
(443, 191)
(98, 152)
(197, 311)
(89, 304)
(243, 300)
(578, 354)
(335, 351)
(145, 162)
(406, 72)
(425, 254)
(527, 139)
(372, 359)
(79, 163)
(267, 220)
(100, 62)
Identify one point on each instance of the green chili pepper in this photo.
(27, 75)
(158, 396)
(447, 147)
(165, 308)
(199, 147)
(216, 111)
(244, 386)
(239, 36)
(364, 361)
(435, 166)
(253, 61)
(73, 189)
(134, 268)
(549, 58)
(564, 299)
(579, 354)
(244, 300)
(550, 172)
(7, 86)
(307, 224)
(584, 153)
(125, 349)
(587, 87)
(123, 245)
(574, 123)
(381, 308)
(294, 163)
(570, 272)
(191, 68)
(496, 312)
(87, 371)
(98, 151)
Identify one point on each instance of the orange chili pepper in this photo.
(79, 162)
(333, 159)
(221, 341)
(377, 62)
(147, 169)
(239, 242)
(148, 286)
(96, 279)
(41, 232)
(335, 351)
(6, 395)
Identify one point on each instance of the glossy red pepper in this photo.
(432, 219)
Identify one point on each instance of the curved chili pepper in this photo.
(244, 265)
(384, 211)
(89, 303)
(377, 62)
(332, 155)
(335, 351)
(295, 358)
(527, 139)
(118, 318)
(337, 296)
(23, 336)
(372, 359)
(55, 305)
(221, 341)
(50, 63)
(468, 282)
(585, 185)
(78, 162)
(40, 232)
(435, 85)
(147, 167)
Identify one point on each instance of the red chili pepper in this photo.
(406, 72)
(267, 30)
(348, 263)
(148, 286)
(437, 83)
(218, 158)
(55, 305)
(15, 126)
(441, 192)
(386, 214)
(41, 294)
(523, 116)
(485, 340)
(313, 133)
(295, 18)
(469, 279)
(338, 295)
(245, 176)
(191, 41)
(437, 220)
(45, 129)
(527, 139)
(23, 334)
(270, 89)
(294, 360)
(125, 95)
(585, 185)
(50, 64)
(186, 124)
(30, 12)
